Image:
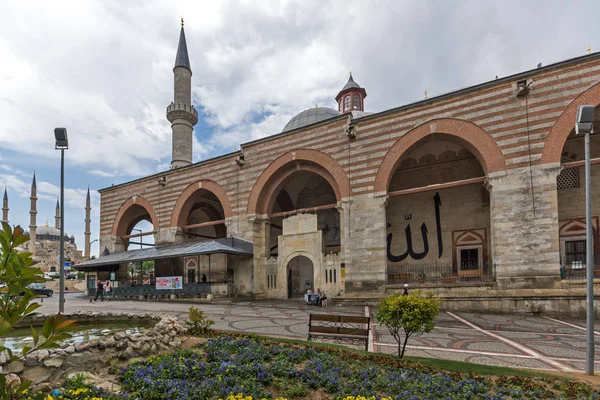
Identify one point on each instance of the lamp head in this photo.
(62, 142)
(585, 119)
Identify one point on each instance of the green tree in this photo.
(407, 315)
(16, 301)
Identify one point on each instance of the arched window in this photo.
(356, 102)
(346, 103)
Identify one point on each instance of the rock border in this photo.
(46, 368)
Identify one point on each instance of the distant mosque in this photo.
(44, 241)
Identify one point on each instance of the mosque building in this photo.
(44, 242)
(476, 194)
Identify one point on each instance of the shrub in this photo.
(406, 315)
(16, 301)
(196, 322)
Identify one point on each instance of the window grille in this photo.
(469, 259)
(568, 177)
(575, 253)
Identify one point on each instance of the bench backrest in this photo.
(339, 324)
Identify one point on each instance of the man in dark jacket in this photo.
(99, 291)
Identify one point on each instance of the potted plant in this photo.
(422, 277)
(447, 279)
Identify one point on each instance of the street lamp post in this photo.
(585, 125)
(62, 144)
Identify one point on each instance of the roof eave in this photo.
(484, 85)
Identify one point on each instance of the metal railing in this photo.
(437, 273)
(577, 270)
(150, 290)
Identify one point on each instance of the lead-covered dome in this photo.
(310, 116)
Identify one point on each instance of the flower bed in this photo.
(245, 369)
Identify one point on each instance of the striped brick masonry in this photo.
(517, 140)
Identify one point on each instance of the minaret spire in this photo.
(182, 59)
(57, 215)
(87, 233)
(181, 114)
(5, 206)
(32, 217)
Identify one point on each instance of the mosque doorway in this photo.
(300, 276)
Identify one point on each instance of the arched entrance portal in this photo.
(300, 273)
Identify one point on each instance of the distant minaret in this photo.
(57, 216)
(5, 207)
(87, 233)
(181, 114)
(32, 217)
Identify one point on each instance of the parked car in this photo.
(40, 289)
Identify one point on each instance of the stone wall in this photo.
(43, 367)
(460, 208)
(525, 244)
(364, 251)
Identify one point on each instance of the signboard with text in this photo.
(169, 282)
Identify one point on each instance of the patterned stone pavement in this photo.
(508, 340)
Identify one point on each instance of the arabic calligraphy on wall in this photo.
(424, 235)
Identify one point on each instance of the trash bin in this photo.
(562, 273)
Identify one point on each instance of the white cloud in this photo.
(101, 173)
(103, 69)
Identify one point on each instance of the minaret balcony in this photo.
(182, 111)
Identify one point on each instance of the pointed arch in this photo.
(262, 196)
(565, 124)
(131, 212)
(183, 207)
(473, 137)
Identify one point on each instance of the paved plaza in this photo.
(520, 341)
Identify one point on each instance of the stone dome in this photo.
(48, 230)
(310, 116)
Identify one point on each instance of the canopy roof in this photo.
(229, 245)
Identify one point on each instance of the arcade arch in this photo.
(570, 185)
(135, 214)
(438, 213)
(267, 187)
(309, 191)
(562, 129)
(467, 134)
(201, 210)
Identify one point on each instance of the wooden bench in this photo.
(339, 328)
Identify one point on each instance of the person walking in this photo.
(99, 291)
(107, 290)
(405, 290)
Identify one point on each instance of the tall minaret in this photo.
(32, 217)
(87, 233)
(181, 114)
(5, 207)
(57, 216)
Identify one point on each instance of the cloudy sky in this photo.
(103, 69)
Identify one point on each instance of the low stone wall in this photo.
(44, 366)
